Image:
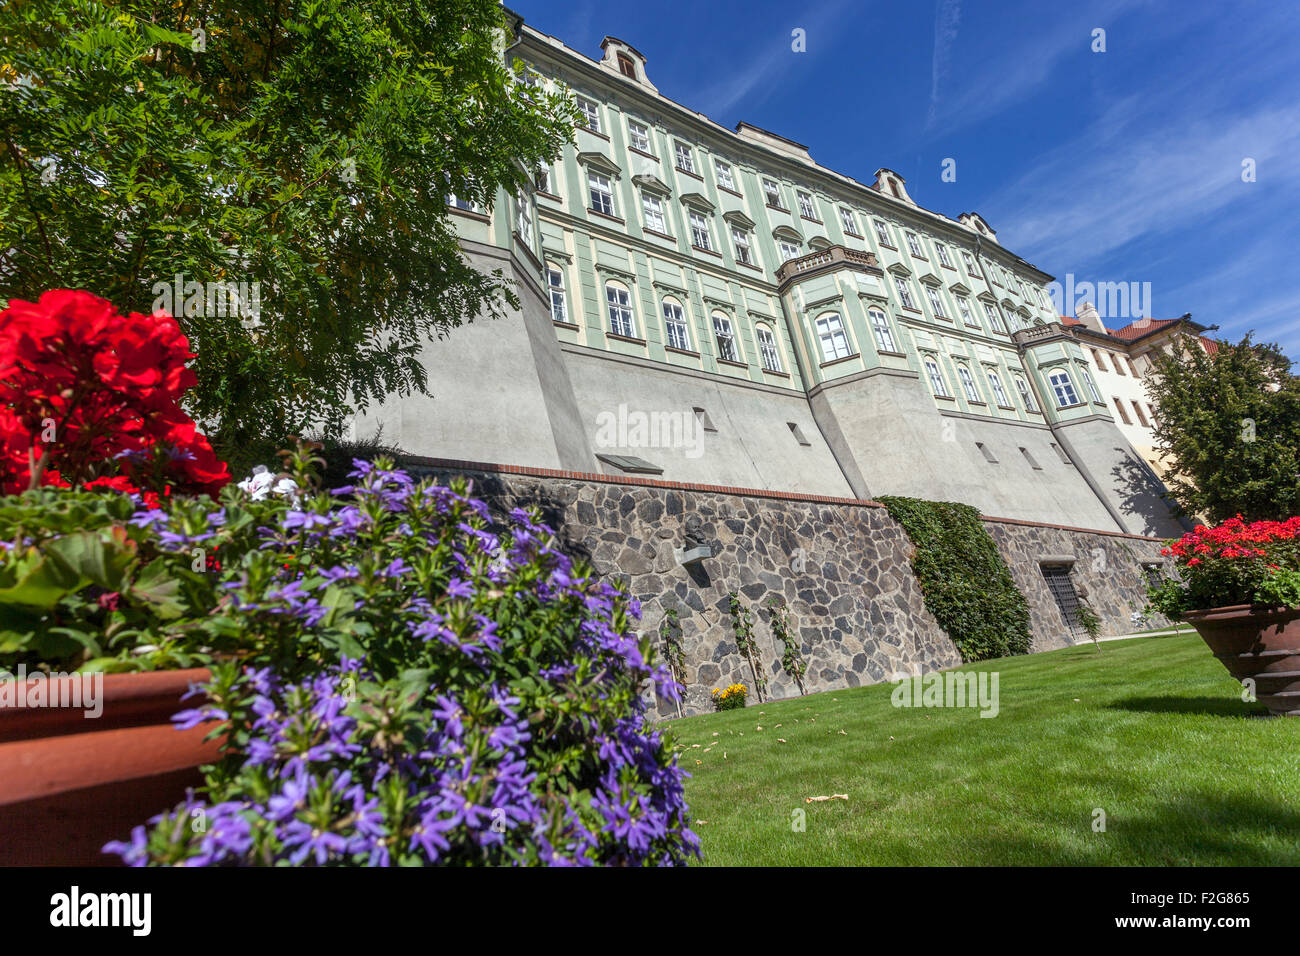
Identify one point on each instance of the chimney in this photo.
(1088, 316)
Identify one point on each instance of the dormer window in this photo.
(626, 66)
(893, 185)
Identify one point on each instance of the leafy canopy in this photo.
(306, 147)
(1229, 425)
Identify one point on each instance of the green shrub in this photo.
(967, 585)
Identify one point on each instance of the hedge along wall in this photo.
(842, 567)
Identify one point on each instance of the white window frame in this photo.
(1091, 386)
(683, 157)
(967, 316)
(591, 113)
(937, 384)
(772, 193)
(768, 348)
(601, 186)
(995, 383)
(1063, 388)
(652, 209)
(943, 254)
(701, 230)
(936, 301)
(622, 320)
(848, 224)
(904, 288)
(744, 249)
(833, 336)
(559, 303)
(638, 136)
(1026, 395)
(677, 331)
(806, 207)
(914, 245)
(882, 233)
(724, 335)
(995, 317)
(881, 329)
(725, 179)
(789, 250)
(968, 385)
(524, 218)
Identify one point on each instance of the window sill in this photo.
(852, 235)
(593, 132)
(948, 398)
(624, 338)
(545, 195)
(1009, 408)
(810, 219)
(733, 192)
(768, 371)
(885, 245)
(687, 172)
(729, 362)
(468, 214)
(571, 326)
(908, 308)
(919, 258)
(706, 251)
(642, 152)
(844, 358)
(677, 351)
(777, 208)
(901, 355)
(605, 215)
(656, 232)
(750, 265)
(952, 268)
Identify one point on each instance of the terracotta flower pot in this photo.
(70, 783)
(1263, 645)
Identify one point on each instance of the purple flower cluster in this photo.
(446, 690)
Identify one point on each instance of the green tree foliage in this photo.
(1229, 426)
(305, 146)
(967, 585)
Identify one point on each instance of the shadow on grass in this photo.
(1194, 829)
(1209, 706)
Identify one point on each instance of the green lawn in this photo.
(1151, 730)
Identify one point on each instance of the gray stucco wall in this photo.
(842, 567)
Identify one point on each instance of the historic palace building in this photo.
(711, 306)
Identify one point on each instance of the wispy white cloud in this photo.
(947, 18)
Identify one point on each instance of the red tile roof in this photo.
(1211, 346)
(1135, 330)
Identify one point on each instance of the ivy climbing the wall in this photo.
(792, 658)
(967, 585)
(742, 619)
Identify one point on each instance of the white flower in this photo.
(262, 483)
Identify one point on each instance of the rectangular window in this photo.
(882, 233)
(542, 180)
(1064, 390)
(968, 385)
(884, 334)
(726, 338)
(999, 393)
(1067, 600)
(830, 332)
(1114, 360)
(1026, 395)
(767, 348)
(994, 317)
(1119, 407)
(458, 202)
(914, 245)
(602, 195)
(1140, 414)
(936, 378)
(524, 221)
(846, 220)
(620, 311)
(590, 114)
(905, 293)
(1131, 367)
(724, 175)
(638, 136)
(772, 193)
(970, 264)
(684, 161)
(679, 336)
(700, 236)
(654, 213)
(936, 301)
(943, 254)
(806, 205)
(789, 251)
(559, 307)
(967, 316)
(741, 240)
(1091, 386)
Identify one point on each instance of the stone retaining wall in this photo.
(842, 567)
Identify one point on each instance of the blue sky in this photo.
(1117, 166)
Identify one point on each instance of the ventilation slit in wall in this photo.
(705, 421)
(798, 434)
(1030, 458)
(988, 455)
